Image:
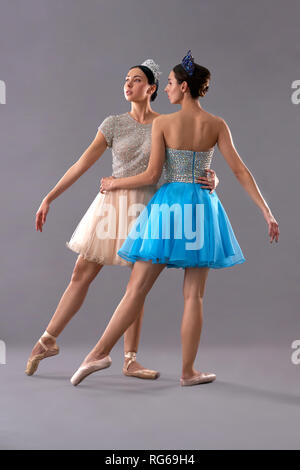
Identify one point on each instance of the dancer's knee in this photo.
(194, 283)
(84, 271)
(137, 288)
(191, 295)
(193, 291)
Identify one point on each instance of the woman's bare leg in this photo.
(133, 332)
(193, 292)
(131, 342)
(143, 276)
(84, 273)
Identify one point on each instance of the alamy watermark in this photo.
(2, 352)
(295, 97)
(295, 357)
(154, 224)
(2, 92)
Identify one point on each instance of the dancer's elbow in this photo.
(241, 171)
(154, 177)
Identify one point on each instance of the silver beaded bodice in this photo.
(186, 165)
(130, 142)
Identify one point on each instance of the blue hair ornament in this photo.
(188, 63)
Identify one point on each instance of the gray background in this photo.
(64, 64)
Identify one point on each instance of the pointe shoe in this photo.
(202, 378)
(32, 364)
(140, 373)
(88, 369)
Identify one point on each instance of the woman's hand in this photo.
(272, 226)
(209, 182)
(40, 217)
(107, 184)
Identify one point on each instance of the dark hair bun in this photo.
(203, 90)
(196, 82)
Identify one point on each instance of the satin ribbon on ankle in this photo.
(132, 356)
(47, 335)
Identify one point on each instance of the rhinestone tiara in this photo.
(153, 67)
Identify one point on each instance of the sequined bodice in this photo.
(130, 142)
(186, 165)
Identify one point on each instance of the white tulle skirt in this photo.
(107, 222)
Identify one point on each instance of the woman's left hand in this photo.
(210, 182)
(107, 184)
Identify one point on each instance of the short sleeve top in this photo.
(130, 142)
(107, 129)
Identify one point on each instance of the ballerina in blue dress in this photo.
(183, 225)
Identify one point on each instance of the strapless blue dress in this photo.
(183, 225)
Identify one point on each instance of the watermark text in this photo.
(2, 92)
(295, 357)
(2, 352)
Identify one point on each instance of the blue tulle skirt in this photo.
(183, 225)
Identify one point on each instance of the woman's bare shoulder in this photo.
(165, 118)
(218, 122)
(211, 116)
(218, 119)
(160, 119)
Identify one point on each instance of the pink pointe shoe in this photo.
(201, 378)
(33, 363)
(89, 368)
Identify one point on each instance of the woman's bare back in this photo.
(196, 131)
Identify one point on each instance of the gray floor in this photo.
(253, 404)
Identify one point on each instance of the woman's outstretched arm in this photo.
(245, 177)
(154, 169)
(87, 159)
